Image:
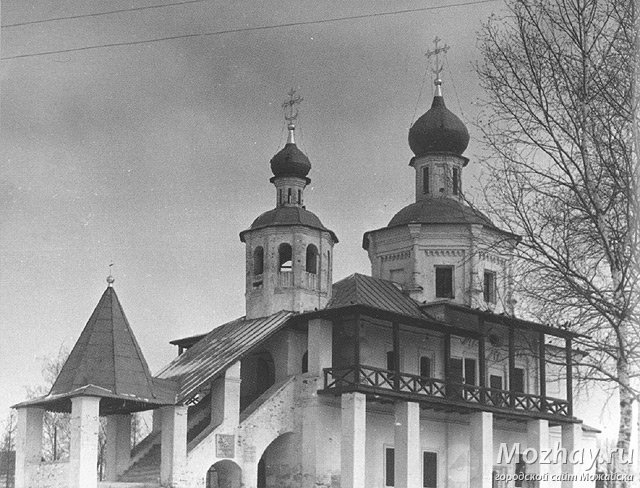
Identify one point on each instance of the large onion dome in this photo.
(438, 130)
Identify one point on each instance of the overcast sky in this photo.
(154, 156)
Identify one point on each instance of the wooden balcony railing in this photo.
(386, 381)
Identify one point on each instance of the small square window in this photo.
(490, 286)
(444, 282)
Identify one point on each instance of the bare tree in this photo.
(561, 123)
(55, 442)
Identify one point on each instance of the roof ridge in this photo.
(147, 372)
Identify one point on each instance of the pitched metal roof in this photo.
(107, 362)
(219, 349)
(359, 289)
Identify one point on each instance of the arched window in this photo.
(305, 362)
(258, 261)
(312, 259)
(284, 257)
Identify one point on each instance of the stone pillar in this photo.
(481, 449)
(320, 338)
(249, 475)
(28, 443)
(83, 445)
(173, 445)
(538, 439)
(571, 439)
(225, 399)
(353, 437)
(407, 451)
(118, 447)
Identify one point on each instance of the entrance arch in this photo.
(280, 462)
(224, 474)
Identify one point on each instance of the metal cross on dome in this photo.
(436, 52)
(289, 106)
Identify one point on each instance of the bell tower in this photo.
(440, 247)
(289, 252)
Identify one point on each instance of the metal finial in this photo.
(110, 278)
(291, 113)
(437, 66)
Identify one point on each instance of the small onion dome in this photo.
(438, 130)
(290, 161)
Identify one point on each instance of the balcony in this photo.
(368, 379)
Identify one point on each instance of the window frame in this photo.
(445, 267)
(258, 251)
(490, 287)
(435, 453)
(312, 257)
(281, 268)
(455, 180)
(425, 180)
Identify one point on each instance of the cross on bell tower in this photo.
(437, 66)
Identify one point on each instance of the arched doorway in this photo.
(224, 474)
(280, 463)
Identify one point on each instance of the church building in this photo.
(417, 376)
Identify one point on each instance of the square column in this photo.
(173, 445)
(353, 437)
(320, 338)
(571, 439)
(225, 399)
(407, 452)
(118, 447)
(83, 445)
(321, 449)
(481, 449)
(28, 442)
(538, 439)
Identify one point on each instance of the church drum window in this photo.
(455, 181)
(312, 259)
(258, 261)
(425, 179)
(490, 286)
(444, 282)
(285, 255)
